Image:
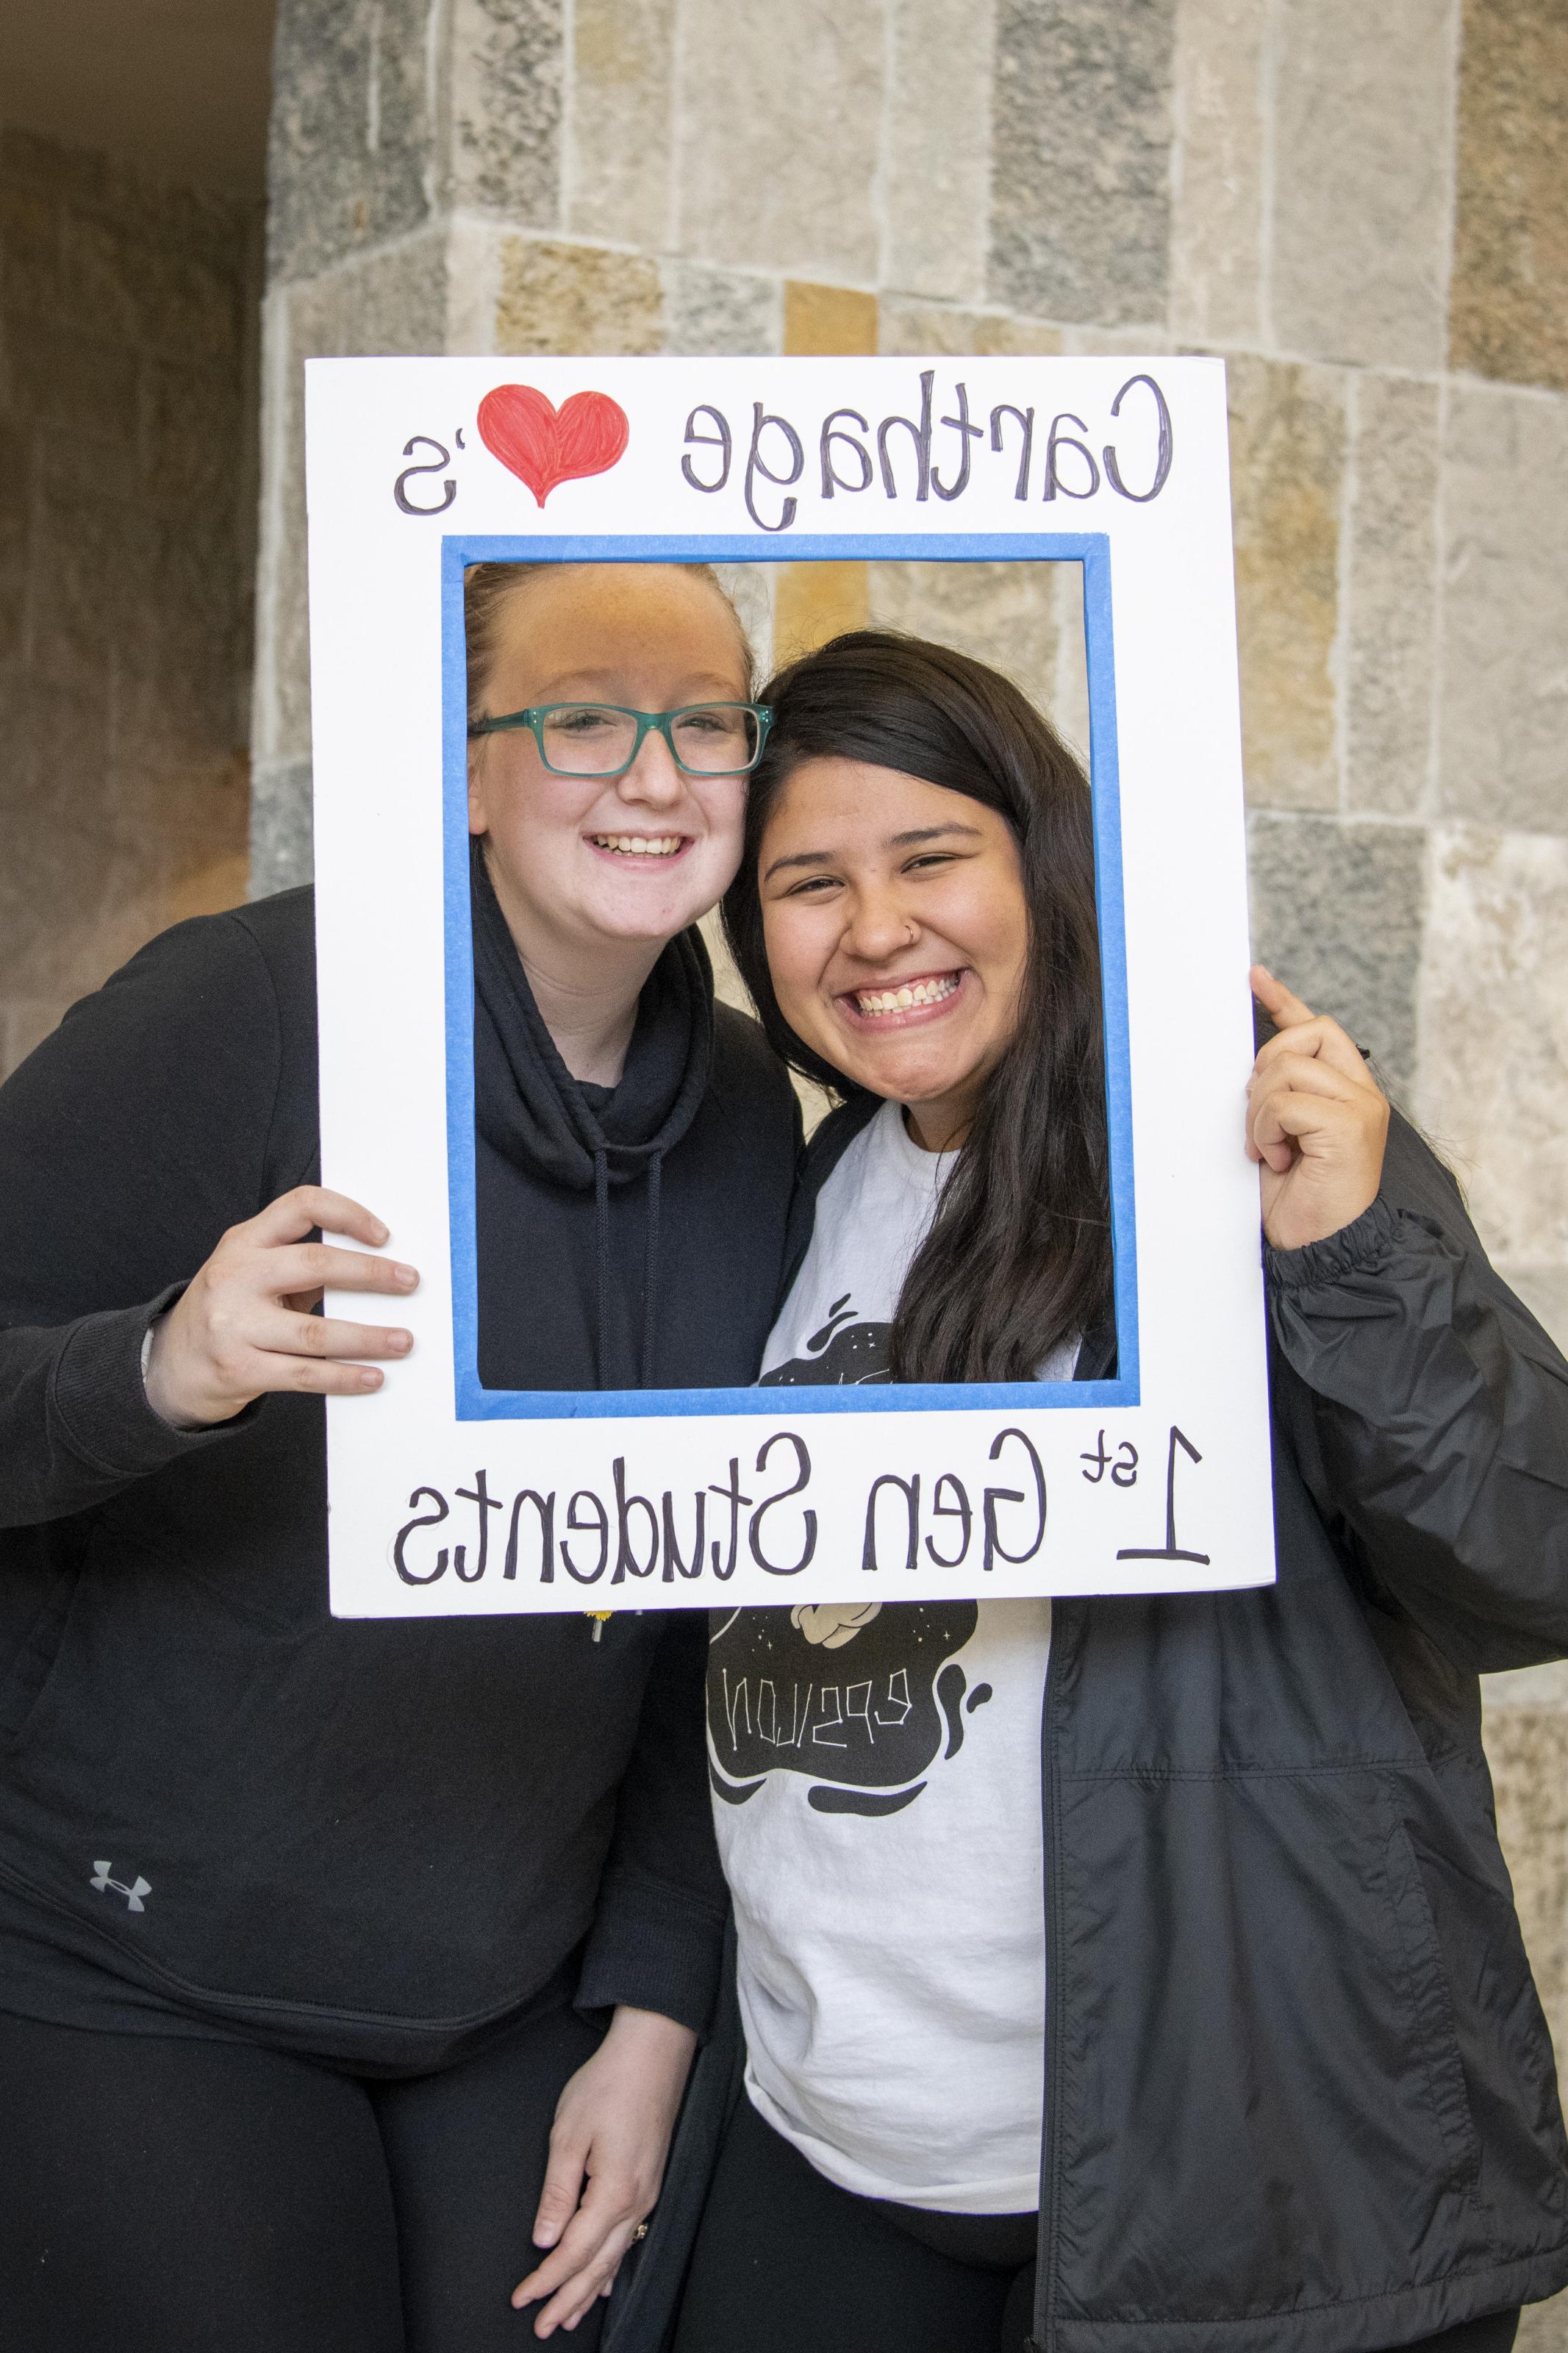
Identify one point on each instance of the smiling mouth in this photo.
(904, 996)
(638, 845)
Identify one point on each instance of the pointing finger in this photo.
(1280, 1003)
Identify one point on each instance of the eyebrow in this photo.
(910, 840)
(596, 679)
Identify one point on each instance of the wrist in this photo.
(651, 2031)
(154, 1388)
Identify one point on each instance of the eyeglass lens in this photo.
(589, 739)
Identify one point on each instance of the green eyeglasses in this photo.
(603, 739)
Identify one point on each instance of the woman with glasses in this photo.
(351, 1972)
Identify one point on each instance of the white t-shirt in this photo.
(877, 1770)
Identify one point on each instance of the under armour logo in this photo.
(138, 1888)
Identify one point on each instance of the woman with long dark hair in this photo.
(1137, 1971)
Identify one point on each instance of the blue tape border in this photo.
(1093, 551)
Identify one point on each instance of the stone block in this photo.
(623, 96)
(508, 73)
(710, 312)
(916, 328)
(1360, 181)
(281, 855)
(1544, 2328)
(29, 253)
(577, 298)
(24, 1023)
(1217, 195)
(95, 559)
(53, 882)
(827, 319)
(938, 147)
(1503, 710)
(1337, 915)
(200, 807)
(752, 590)
(1509, 298)
(144, 292)
(1068, 708)
(1494, 1032)
(1392, 595)
(728, 986)
(779, 136)
(188, 440)
(814, 602)
(1002, 613)
(1287, 454)
(351, 146)
(28, 160)
(383, 302)
(1545, 1290)
(212, 886)
(1081, 158)
(83, 385)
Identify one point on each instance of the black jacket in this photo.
(1300, 2095)
(372, 1840)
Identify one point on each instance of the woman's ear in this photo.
(479, 822)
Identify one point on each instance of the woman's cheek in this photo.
(787, 942)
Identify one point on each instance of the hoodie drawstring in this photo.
(651, 1271)
(602, 1229)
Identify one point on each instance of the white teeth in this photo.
(638, 845)
(899, 1000)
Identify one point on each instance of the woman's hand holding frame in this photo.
(243, 1325)
(1317, 1121)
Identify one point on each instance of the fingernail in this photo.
(369, 1378)
(406, 1277)
(378, 1232)
(401, 1342)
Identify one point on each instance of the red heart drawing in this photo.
(543, 445)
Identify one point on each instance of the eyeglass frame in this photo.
(649, 723)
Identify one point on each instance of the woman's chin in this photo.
(902, 1073)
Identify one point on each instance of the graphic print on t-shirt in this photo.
(847, 1351)
(861, 1698)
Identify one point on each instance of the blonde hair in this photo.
(488, 586)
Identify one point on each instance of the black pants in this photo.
(787, 2263)
(164, 2195)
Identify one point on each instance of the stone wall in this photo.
(1361, 207)
(127, 538)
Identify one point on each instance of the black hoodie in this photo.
(374, 1841)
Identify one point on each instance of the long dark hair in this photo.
(1017, 1259)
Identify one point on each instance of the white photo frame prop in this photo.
(448, 1499)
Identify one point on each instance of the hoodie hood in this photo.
(531, 1109)
(527, 1103)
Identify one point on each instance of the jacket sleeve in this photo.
(1428, 1413)
(129, 1141)
(658, 1930)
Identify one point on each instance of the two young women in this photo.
(1131, 1972)
(308, 1931)
(334, 1955)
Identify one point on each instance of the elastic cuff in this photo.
(1352, 1250)
(101, 1398)
(651, 1951)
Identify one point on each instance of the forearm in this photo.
(75, 1424)
(1435, 1428)
(659, 1923)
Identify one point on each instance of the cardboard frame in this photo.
(1076, 1487)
